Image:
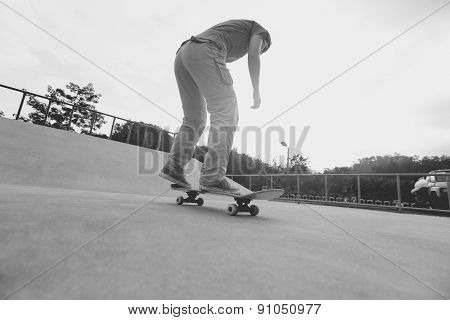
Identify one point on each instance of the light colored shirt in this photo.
(233, 37)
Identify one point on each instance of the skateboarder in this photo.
(205, 84)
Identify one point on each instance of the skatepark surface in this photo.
(87, 218)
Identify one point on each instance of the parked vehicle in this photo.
(432, 190)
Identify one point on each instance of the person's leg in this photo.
(194, 120)
(223, 122)
(216, 85)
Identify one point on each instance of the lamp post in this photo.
(284, 144)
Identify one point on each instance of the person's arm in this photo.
(254, 67)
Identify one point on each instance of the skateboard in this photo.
(242, 201)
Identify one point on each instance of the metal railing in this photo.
(326, 198)
(94, 113)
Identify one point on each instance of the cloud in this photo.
(437, 115)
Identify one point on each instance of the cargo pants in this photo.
(205, 85)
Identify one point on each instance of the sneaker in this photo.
(175, 174)
(222, 187)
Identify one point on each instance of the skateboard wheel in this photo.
(232, 209)
(200, 202)
(254, 210)
(180, 200)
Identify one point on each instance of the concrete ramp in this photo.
(41, 156)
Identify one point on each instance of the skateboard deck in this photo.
(242, 200)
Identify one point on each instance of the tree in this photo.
(145, 135)
(83, 98)
(241, 163)
(383, 188)
(298, 164)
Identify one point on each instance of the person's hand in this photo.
(256, 100)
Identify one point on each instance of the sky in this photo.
(395, 101)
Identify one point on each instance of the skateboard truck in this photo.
(242, 206)
(192, 198)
